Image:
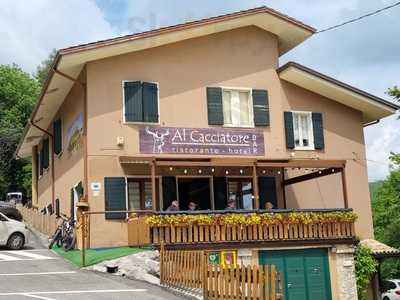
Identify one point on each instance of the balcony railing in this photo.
(229, 227)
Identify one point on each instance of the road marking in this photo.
(22, 255)
(29, 254)
(4, 257)
(38, 273)
(71, 292)
(37, 297)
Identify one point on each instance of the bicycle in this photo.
(65, 235)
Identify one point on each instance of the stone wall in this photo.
(346, 276)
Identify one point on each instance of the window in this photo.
(237, 108)
(139, 194)
(240, 189)
(140, 102)
(303, 130)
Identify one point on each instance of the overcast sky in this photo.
(364, 54)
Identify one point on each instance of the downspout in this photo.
(52, 160)
(85, 156)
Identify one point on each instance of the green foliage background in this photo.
(19, 92)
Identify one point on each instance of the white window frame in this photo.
(311, 145)
(251, 109)
(123, 104)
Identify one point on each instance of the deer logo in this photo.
(158, 139)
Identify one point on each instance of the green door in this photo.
(305, 273)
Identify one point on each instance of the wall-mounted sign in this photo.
(74, 134)
(228, 258)
(95, 187)
(201, 141)
(213, 258)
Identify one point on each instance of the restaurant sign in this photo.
(201, 141)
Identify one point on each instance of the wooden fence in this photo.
(46, 224)
(190, 270)
(138, 232)
(172, 234)
(242, 282)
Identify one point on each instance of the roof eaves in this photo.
(338, 83)
(186, 25)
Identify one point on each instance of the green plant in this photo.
(366, 266)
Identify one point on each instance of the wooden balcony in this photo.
(255, 228)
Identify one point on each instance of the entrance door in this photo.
(195, 190)
(305, 273)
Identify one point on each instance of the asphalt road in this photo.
(38, 273)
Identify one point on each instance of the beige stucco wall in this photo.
(68, 166)
(246, 57)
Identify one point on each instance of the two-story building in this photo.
(202, 112)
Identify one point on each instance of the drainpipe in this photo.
(51, 157)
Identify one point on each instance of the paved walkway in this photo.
(38, 273)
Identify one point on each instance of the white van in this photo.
(13, 234)
(14, 198)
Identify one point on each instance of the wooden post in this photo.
(344, 186)
(283, 187)
(153, 185)
(255, 188)
(83, 232)
(204, 274)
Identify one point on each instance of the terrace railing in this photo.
(212, 227)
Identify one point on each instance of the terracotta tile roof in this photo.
(191, 24)
(380, 249)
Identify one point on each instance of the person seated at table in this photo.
(231, 204)
(269, 205)
(192, 206)
(174, 206)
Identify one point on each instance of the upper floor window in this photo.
(140, 102)
(238, 108)
(303, 130)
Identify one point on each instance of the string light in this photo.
(241, 171)
(212, 170)
(279, 172)
(185, 171)
(170, 168)
(226, 172)
(264, 171)
(200, 171)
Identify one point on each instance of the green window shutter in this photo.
(260, 107)
(46, 153)
(57, 138)
(115, 196)
(289, 132)
(214, 106)
(318, 130)
(133, 101)
(150, 102)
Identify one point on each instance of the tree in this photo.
(395, 92)
(42, 70)
(386, 215)
(18, 93)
